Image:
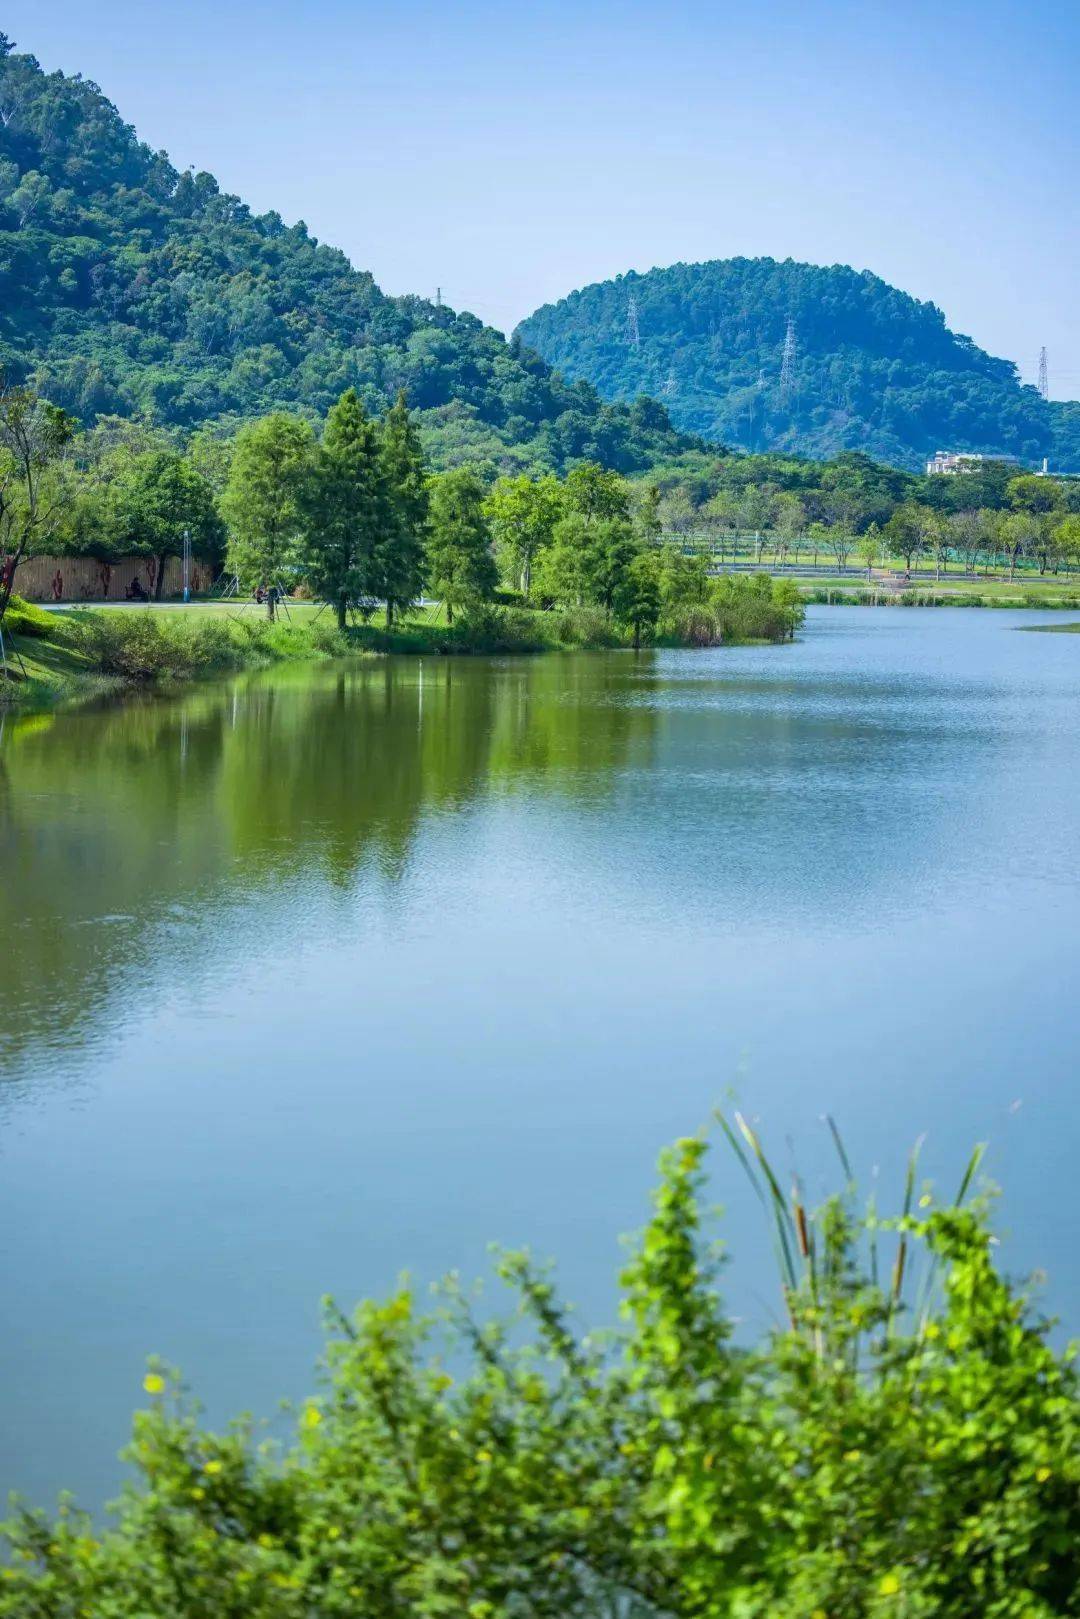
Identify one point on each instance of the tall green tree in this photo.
(1067, 540)
(399, 554)
(648, 518)
(869, 548)
(523, 512)
(1034, 494)
(790, 526)
(263, 500)
(346, 509)
(159, 498)
(588, 559)
(594, 492)
(33, 435)
(906, 530)
(1018, 535)
(637, 594)
(461, 566)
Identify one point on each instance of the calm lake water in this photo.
(338, 971)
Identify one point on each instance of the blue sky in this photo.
(511, 153)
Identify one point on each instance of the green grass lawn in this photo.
(49, 671)
(995, 592)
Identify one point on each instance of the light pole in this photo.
(187, 565)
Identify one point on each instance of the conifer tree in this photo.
(400, 552)
(461, 567)
(346, 508)
(261, 502)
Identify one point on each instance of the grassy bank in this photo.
(86, 652)
(846, 592)
(59, 657)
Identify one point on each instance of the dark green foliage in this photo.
(873, 369)
(129, 288)
(637, 595)
(905, 1445)
(347, 509)
(460, 563)
(400, 554)
(158, 498)
(262, 501)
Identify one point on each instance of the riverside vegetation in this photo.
(353, 517)
(905, 1443)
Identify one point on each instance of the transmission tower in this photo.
(438, 297)
(1044, 379)
(633, 335)
(787, 359)
(669, 385)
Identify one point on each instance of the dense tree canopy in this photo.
(869, 367)
(130, 288)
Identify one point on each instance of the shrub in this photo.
(906, 1445)
(585, 627)
(142, 645)
(693, 626)
(484, 627)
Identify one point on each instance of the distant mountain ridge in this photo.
(769, 355)
(129, 287)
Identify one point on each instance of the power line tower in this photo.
(438, 297)
(1044, 378)
(787, 360)
(669, 384)
(633, 334)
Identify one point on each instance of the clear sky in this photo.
(510, 153)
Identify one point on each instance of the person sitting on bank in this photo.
(136, 592)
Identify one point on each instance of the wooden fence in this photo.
(85, 579)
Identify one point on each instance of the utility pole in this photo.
(633, 334)
(1044, 379)
(787, 360)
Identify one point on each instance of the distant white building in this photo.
(950, 463)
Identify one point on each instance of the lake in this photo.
(338, 971)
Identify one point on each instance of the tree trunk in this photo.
(341, 610)
(389, 613)
(159, 582)
(7, 589)
(449, 613)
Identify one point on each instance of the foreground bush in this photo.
(905, 1445)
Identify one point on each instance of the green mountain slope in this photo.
(869, 367)
(127, 287)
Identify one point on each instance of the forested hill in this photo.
(870, 368)
(128, 287)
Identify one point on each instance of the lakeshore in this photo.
(317, 970)
(214, 639)
(68, 654)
